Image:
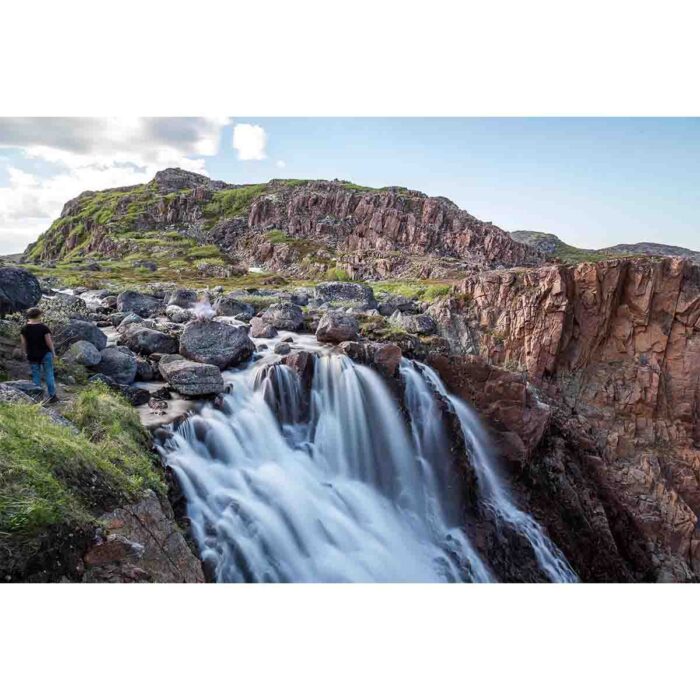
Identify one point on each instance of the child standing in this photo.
(38, 347)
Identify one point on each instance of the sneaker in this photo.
(52, 399)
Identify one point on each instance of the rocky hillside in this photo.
(553, 247)
(305, 228)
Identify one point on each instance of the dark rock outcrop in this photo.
(19, 290)
(220, 344)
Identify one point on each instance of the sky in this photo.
(594, 182)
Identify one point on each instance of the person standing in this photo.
(39, 349)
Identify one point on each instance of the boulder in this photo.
(64, 305)
(144, 305)
(384, 357)
(144, 370)
(116, 318)
(301, 296)
(336, 327)
(177, 314)
(341, 292)
(118, 363)
(231, 306)
(145, 341)
(191, 378)
(261, 329)
(215, 343)
(420, 324)
(282, 348)
(25, 386)
(84, 353)
(73, 330)
(184, 298)
(135, 395)
(392, 303)
(19, 290)
(127, 320)
(284, 316)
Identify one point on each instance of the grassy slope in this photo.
(56, 480)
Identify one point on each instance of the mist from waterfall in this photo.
(335, 483)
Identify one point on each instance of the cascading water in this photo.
(329, 484)
(493, 492)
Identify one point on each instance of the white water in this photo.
(282, 486)
(493, 492)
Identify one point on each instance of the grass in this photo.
(228, 204)
(423, 290)
(53, 476)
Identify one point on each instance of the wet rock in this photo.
(336, 327)
(191, 378)
(284, 316)
(384, 357)
(84, 353)
(19, 290)
(261, 329)
(118, 363)
(144, 370)
(11, 394)
(302, 362)
(144, 305)
(215, 343)
(65, 334)
(282, 348)
(116, 318)
(145, 341)
(135, 395)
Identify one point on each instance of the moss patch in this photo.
(54, 477)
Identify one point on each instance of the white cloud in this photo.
(281, 164)
(250, 141)
(89, 154)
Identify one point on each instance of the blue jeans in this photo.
(47, 364)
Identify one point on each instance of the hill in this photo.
(552, 246)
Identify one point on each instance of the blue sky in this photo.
(593, 182)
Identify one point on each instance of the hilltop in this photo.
(187, 223)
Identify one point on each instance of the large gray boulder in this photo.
(191, 378)
(350, 293)
(19, 290)
(184, 298)
(24, 386)
(337, 327)
(284, 316)
(64, 305)
(261, 329)
(216, 343)
(146, 341)
(231, 306)
(65, 334)
(84, 353)
(142, 304)
(420, 324)
(117, 363)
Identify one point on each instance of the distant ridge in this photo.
(552, 246)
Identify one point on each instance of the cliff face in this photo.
(615, 346)
(304, 228)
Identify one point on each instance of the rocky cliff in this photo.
(305, 228)
(614, 347)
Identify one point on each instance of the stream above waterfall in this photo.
(343, 479)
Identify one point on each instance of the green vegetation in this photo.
(228, 204)
(423, 290)
(277, 236)
(58, 477)
(338, 274)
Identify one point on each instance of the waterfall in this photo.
(493, 492)
(332, 482)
